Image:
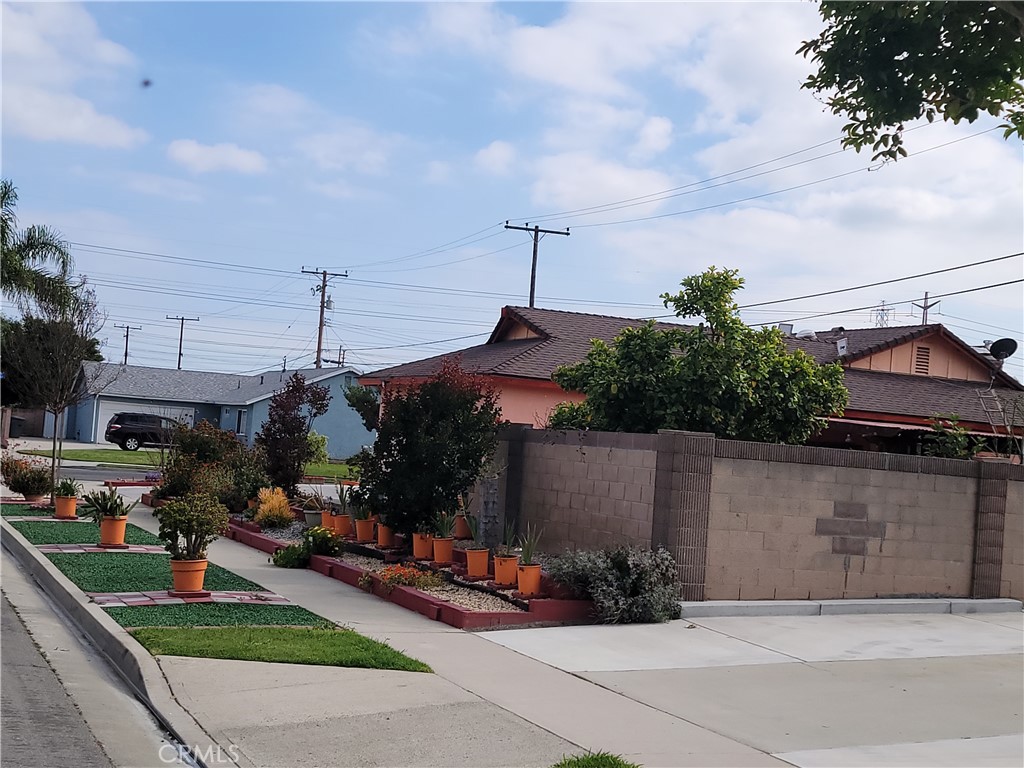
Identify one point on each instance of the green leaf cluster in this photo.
(720, 376)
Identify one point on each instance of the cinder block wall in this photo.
(796, 531)
(588, 490)
(1012, 584)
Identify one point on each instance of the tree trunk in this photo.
(53, 462)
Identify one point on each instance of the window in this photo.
(240, 422)
(922, 360)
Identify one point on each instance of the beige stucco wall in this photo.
(587, 496)
(788, 531)
(946, 361)
(1013, 542)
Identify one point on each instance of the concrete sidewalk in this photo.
(810, 690)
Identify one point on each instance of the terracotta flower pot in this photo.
(422, 546)
(112, 531)
(528, 579)
(32, 498)
(188, 575)
(326, 519)
(505, 570)
(385, 536)
(252, 503)
(342, 525)
(364, 530)
(476, 563)
(462, 528)
(64, 507)
(443, 550)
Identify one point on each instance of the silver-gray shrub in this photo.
(628, 585)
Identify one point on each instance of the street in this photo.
(41, 725)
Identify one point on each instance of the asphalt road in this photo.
(41, 727)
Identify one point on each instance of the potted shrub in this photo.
(29, 478)
(506, 562)
(385, 534)
(363, 521)
(444, 528)
(462, 526)
(187, 527)
(528, 573)
(65, 499)
(109, 510)
(341, 522)
(476, 553)
(313, 509)
(422, 545)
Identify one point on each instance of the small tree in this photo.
(433, 440)
(43, 355)
(720, 376)
(284, 437)
(949, 439)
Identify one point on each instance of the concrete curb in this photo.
(126, 656)
(955, 605)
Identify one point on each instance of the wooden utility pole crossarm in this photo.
(537, 232)
(324, 274)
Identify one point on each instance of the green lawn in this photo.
(123, 572)
(217, 615)
(76, 533)
(151, 459)
(23, 510)
(291, 645)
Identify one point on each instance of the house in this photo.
(238, 403)
(898, 378)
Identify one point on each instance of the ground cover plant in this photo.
(22, 510)
(124, 572)
(594, 760)
(45, 532)
(291, 645)
(216, 615)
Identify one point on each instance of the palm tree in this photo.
(27, 255)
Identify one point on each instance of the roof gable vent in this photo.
(842, 345)
(922, 360)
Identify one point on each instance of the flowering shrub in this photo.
(407, 576)
(627, 584)
(322, 541)
(29, 477)
(292, 556)
(273, 510)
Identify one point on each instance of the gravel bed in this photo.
(471, 599)
(364, 562)
(291, 535)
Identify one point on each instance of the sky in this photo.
(200, 156)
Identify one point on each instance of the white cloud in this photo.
(49, 49)
(205, 158)
(274, 106)
(164, 186)
(350, 146)
(497, 158)
(654, 137)
(577, 180)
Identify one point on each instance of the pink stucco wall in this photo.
(528, 403)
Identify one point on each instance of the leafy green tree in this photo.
(720, 376)
(27, 258)
(285, 436)
(949, 439)
(882, 64)
(433, 441)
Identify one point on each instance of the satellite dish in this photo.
(1002, 349)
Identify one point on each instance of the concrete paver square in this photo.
(647, 646)
(785, 707)
(838, 638)
(1009, 620)
(976, 753)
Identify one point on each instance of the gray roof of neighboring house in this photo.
(138, 381)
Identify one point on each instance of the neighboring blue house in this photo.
(238, 403)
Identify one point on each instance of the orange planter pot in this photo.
(326, 519)
(505, 570)
(528, 577)
(422, 546)
(443, 549)
(112, 531)
(343, 525)
(188, 575)
(462, 528)
(385, 536)
(476, 563)
(64, 507)
(364, 530)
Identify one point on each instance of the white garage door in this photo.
(109, 407)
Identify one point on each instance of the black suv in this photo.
(130, 431)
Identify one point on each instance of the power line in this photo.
(536, 231)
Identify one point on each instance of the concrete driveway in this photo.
(892, 690)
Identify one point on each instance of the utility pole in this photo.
(181, 333)
(924, 306)
(537, 232)
(324, 274)
(127, 330)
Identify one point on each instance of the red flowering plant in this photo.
(407, 576)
